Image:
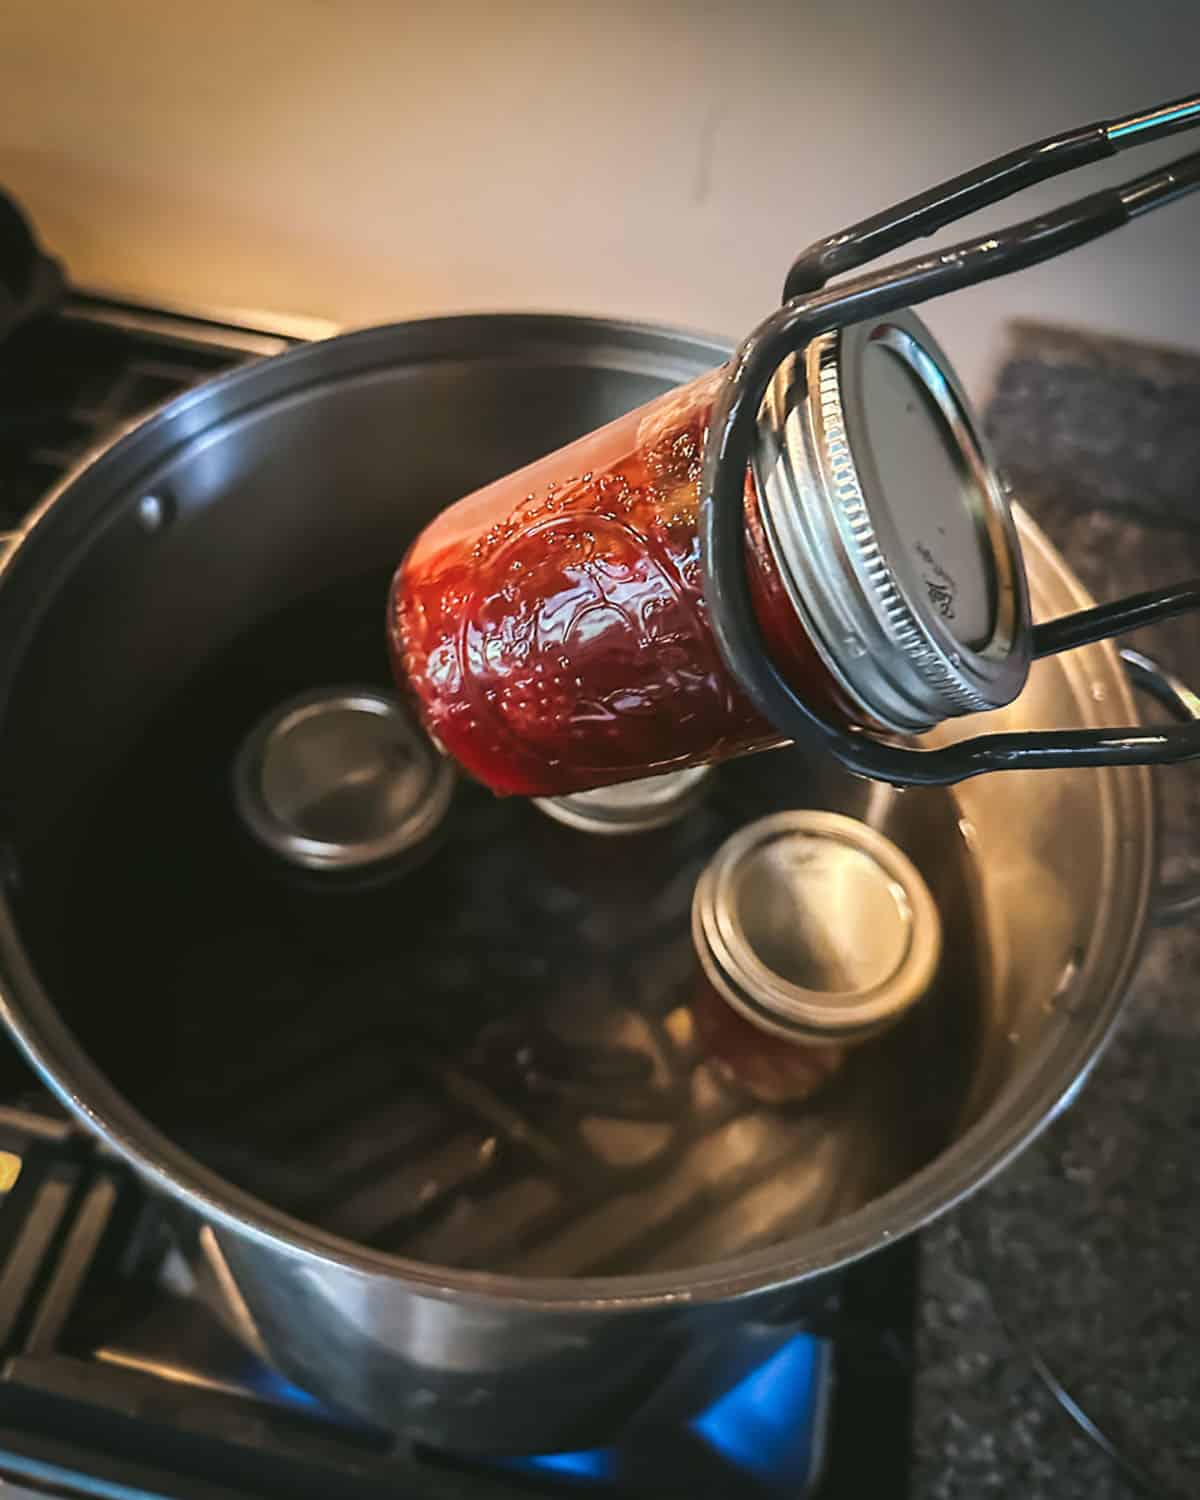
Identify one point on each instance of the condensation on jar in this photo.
(814, 933)
(553, 630)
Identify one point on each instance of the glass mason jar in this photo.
(814, 933)
(340, 799)
(552, 626)
(629, 853)
(341, 784)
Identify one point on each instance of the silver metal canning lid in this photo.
(339, 779)
(815, 927)
(890, 527)
(631, 806)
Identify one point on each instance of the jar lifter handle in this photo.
(1180, 899)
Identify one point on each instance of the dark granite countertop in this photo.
(1102, 442)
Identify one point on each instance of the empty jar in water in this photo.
(552, 627)
(814, 933)
(342, 787)
(630, 852)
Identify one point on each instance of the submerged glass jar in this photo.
(628, 854)
(341, 784)
(552, 627)
(814, 933)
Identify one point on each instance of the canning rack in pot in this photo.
(810, 310)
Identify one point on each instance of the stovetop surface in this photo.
(1079, 1265)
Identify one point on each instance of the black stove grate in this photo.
(70, 380)
(115, 1382)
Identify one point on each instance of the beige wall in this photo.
(362, 160)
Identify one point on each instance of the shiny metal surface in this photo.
(1179, 900)
(889, 526)
(319, 466)
(630, 806)
(254, 332)
(815, 926)
(337, 779)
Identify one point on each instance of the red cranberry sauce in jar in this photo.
(552, 626)
(771, 1068)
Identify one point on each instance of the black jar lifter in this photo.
(31, 282)
(811, 309)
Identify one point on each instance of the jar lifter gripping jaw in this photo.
(811, 309)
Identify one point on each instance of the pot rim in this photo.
(1053, 1079)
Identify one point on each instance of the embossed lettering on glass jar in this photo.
(814, 933)
(553, 630)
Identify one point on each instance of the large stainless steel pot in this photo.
(317, 466)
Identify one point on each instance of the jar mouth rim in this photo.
(771, 1000)
(843, 517)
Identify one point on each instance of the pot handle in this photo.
(1181, 899)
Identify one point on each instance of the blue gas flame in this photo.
(767, 1423)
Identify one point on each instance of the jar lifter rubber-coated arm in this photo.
(810, 309)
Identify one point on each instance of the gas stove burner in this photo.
(339, 779)
(631, 806)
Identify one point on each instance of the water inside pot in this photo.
(486, 1062)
